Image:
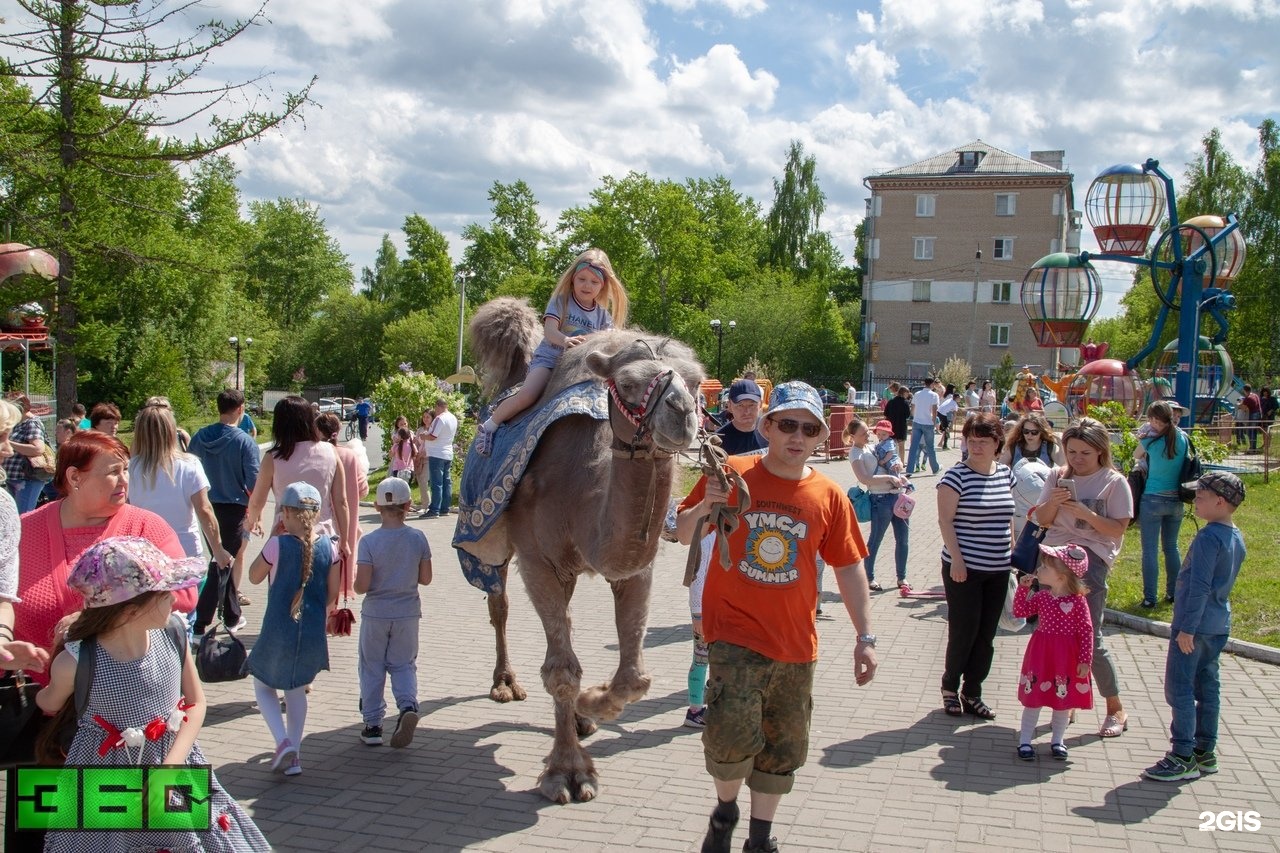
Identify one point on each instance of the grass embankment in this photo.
(1255, 599)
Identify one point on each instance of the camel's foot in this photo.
(585, 725)
(505, 689)
(606, 701)
(568, 787)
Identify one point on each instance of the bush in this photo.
(955, 371)
(410, 394)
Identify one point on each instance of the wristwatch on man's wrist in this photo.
(867, 640)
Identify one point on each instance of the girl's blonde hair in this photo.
(851, 428)
(613, 297)
(9, 415)
(155, 441)
(1092, 433)
(307, 517)
(1075, 585)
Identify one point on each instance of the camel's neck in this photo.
(632, 513)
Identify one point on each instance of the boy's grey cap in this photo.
(1226, 486)
(393, 491)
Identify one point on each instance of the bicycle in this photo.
(352, 430)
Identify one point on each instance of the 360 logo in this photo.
(1228, 821)
(156, 797)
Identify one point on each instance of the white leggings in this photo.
(295, 702)
(1057, 725)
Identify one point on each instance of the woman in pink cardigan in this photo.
(93, 479)
(356, 476)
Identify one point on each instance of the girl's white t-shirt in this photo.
(171, 498)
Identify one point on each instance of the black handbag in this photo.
(20, 719)
(1026, 551)
(1137, 485)
(220, 658)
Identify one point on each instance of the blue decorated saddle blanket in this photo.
(488, 483)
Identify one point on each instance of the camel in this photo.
(591, 502)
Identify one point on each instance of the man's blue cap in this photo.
(745, 389)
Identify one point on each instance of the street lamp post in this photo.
(719, 330)
(238, 344)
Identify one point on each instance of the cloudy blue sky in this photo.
(424, 103)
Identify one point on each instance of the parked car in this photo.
(865, 400)
(343, 407)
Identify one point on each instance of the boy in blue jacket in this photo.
(1198, 632)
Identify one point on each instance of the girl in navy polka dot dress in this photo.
(1055, 668)
(145, 704)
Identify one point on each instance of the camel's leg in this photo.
(630, 682)
(569, 774)
(504, 687)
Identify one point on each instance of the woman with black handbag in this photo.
(1088, 502)
(1165, 449)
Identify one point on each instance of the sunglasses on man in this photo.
(788, 426)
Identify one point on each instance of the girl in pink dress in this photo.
(1055, 667)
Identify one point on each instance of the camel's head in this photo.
(656, 381)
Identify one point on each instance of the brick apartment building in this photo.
(926, 296)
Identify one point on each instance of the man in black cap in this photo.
(739, 435)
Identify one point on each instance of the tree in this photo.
(294, 264)
(103, 73)
(426, 275)
(382, 283)
(795, 242)
(657, 241)
(515, 242)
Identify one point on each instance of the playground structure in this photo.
(23, 327)
(1192, 266)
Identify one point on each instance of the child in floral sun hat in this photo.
(144, 704)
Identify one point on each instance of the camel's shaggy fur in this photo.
(581, 509)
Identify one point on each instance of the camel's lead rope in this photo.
(723, 518)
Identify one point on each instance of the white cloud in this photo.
(740, 8)
(426, 104)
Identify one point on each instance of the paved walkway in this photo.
(887, 770)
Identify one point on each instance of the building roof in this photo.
(974, 158)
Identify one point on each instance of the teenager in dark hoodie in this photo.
(231, 459)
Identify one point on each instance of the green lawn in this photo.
(1255, 600)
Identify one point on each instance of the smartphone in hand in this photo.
(1070, 486)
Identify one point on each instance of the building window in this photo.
(999, 334)
(918, 369)
(969, 159)
(924, 248)
(926, 204)
(919, 333)
(1004, 249)
(920, 291)
(1001, 291)
(991, 370)
(1006, 204)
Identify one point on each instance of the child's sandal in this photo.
(1026, 752)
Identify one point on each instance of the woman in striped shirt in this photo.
(975, 511)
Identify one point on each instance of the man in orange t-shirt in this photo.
(758, 613)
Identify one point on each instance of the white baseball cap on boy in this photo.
(393, 491)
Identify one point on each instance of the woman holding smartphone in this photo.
(1088, 502)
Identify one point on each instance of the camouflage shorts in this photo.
(758, 713)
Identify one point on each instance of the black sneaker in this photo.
(371, 736)
(719, 837)
(405, 726)
(769, 846)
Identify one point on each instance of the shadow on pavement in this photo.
(1133, 802)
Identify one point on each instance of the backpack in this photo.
(1192, 469)
(176, 630)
